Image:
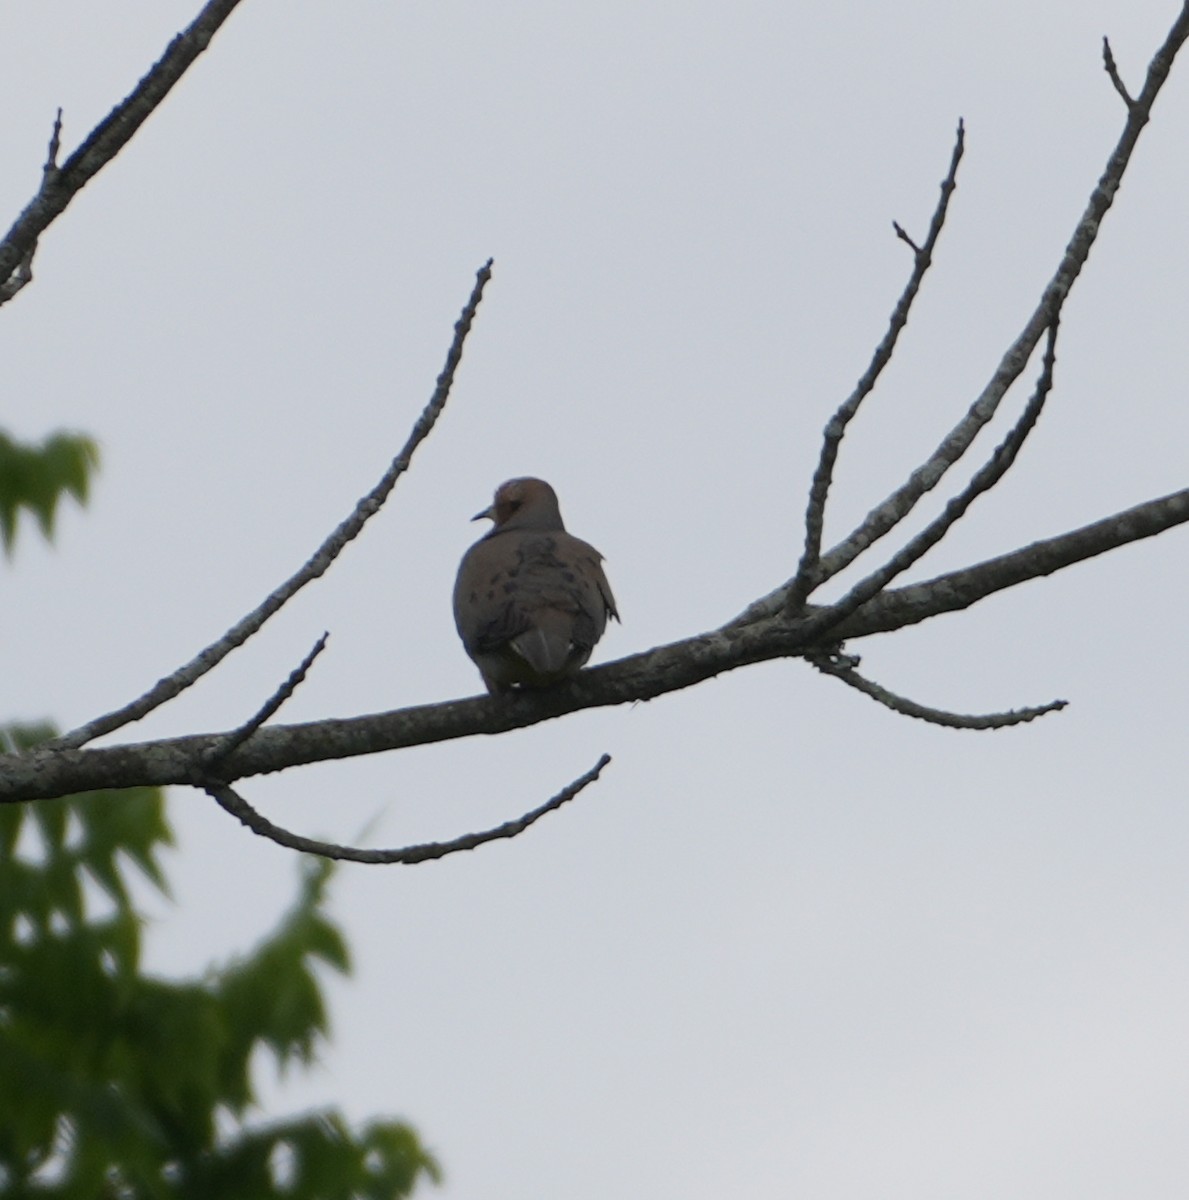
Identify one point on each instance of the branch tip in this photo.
(221, 750)
(903, 236)
(51, 158)
(1112, 70)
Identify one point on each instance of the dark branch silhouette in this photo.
(782, 624)
(984, 479)
(845, 667)
(296, 678)
(59, 185)
(238, 807)
(206, 660)
(885, 516)
(1108, 61)
(42, 772)
(808, 572)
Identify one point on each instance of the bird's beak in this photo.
(485, 513)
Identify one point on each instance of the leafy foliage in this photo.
(119, 1084)
(35, 477)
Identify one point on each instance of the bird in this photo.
(530, 599)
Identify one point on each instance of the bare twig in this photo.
(330, 549)
(926, 477)
(245, 731)
(22, 273)
(51, 157)
(108, 138)
(844, 668)
(1108, 61)
(902, 233)
(241, 809)
(806, 577)
(983, 481)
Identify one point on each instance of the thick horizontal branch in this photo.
(956, 590)
(41, 774)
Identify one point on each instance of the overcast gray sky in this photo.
(790, 944)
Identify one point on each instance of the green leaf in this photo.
(34, 477)
(128, 1084)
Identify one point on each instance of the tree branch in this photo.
(44, 772)
(901, 502)
(956, 590)
(1108, 62)
(60, 185)
(806, 578)
(238, 807)
(22, 273)
(845, 668)
(270, 707)
(767, 630)
(984, 480)
(206, 660)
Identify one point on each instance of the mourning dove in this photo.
(530, 600)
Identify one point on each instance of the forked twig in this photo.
(60, 185)
(789, 597)
(984, 479)
(235, 804)
(901, 502)
(807, 571)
